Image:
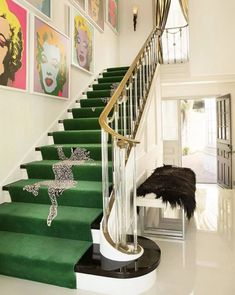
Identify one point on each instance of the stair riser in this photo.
(101, 93)
(114, 74)
(81, 125)
(92, 102)
(59, 229)
(88, 199)
(86, 173)
(88, 125)
(103, 86)
(70, 138)
(10, 267)
(49, 263)
(110, 80)
(87, 113)
(52, 154)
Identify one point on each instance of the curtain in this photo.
(162, 10)
(184, 7)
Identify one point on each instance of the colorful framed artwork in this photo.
(13, 45)
(112, 14)
(96, 12)
(50, 60)
(43, 6)
(82, 35)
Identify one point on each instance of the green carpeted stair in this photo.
(29, 248)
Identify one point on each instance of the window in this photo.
(175, 36)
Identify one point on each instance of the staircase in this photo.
(47, 227)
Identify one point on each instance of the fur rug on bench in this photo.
(174, 185)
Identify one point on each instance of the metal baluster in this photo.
(144, 74)
(147, 67)
(121, 117)
(131, 127)
(123, 203)
(174, 47)
(152, 58)
(124, 95)
(117, 194)
(181, 45)
(136, 95)
(167, 44)
(134, 201)
(187, 42)
(105, 177)
(141, 81)
(154, 50)
(150, 61)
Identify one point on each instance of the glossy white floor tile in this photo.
(203, 264)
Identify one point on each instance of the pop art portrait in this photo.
(44, 6)
(13, 45)
(96, 12)
(51, 60)
(112, 14)
(82, 42)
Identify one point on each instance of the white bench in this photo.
(159, 219)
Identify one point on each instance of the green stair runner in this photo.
(30, 249)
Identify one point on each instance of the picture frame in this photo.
(80, 4)
(50, 60)
(82, 41)
(44, 7)
(96, 13)
(112, 11)
(14, 46)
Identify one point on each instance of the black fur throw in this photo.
(174, 185)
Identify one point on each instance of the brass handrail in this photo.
(104, 115)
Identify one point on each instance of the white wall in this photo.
(212, 31)
(131, 41)
(150, 150)
(24, 117)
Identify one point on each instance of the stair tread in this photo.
(88, 108)
(95, 119)
(78, 131)
(52, 162)
(73, 145)
(125, 68)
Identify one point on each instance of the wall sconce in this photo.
(135, 13)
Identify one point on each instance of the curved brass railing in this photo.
(104, 115)
(119, 121)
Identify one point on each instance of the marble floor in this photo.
(203, 264)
